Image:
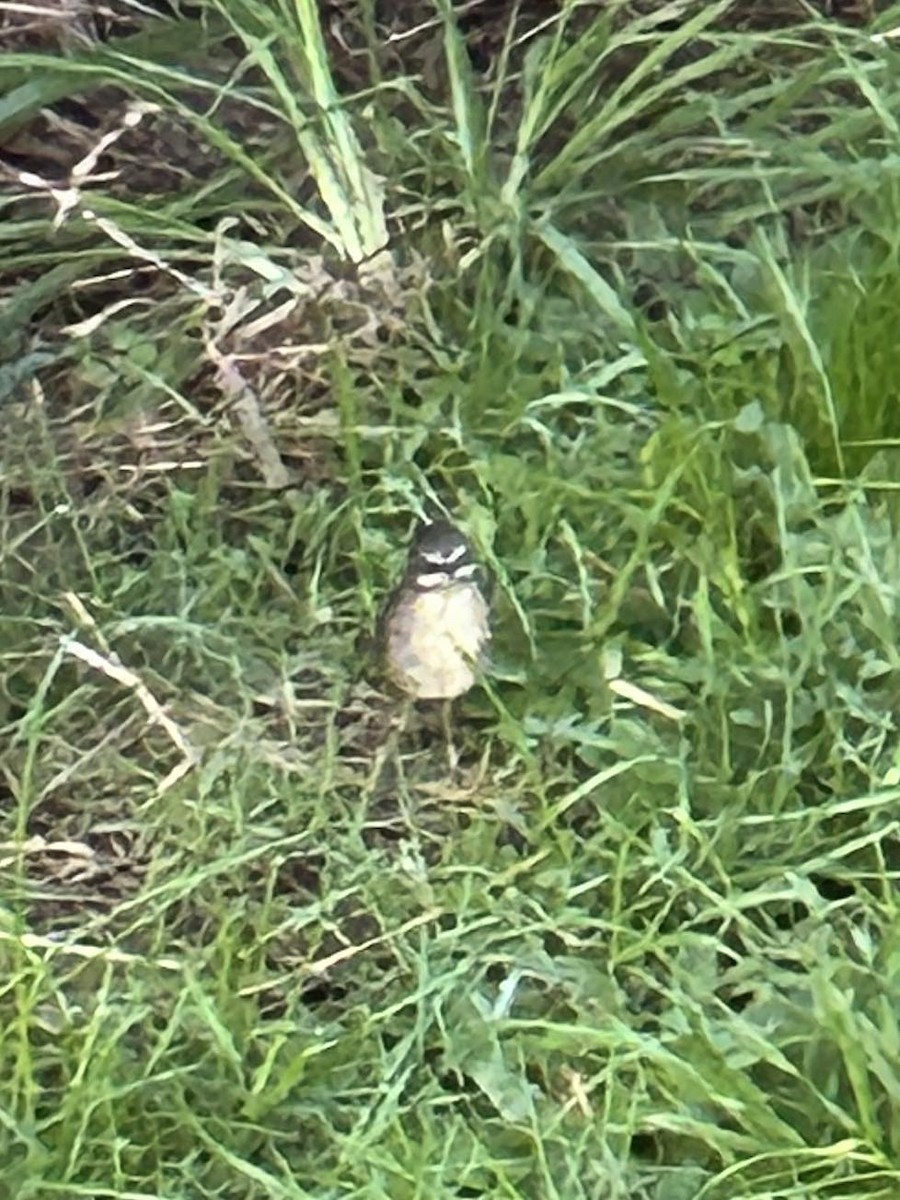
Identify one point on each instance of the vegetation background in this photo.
(618, 283)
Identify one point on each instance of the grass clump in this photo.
(616, 285)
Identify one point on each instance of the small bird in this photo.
(436, 627)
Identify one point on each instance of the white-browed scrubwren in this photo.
(436, 627)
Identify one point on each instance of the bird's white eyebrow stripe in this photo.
(445, 557)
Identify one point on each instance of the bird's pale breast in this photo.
(435, 639)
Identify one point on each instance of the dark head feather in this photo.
(440, 554)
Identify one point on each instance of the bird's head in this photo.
(439, 557)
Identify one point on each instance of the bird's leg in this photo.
(390, 750)
(401, 728)
(447, 723)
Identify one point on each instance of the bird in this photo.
(436, 625)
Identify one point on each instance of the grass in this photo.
(618, 286)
